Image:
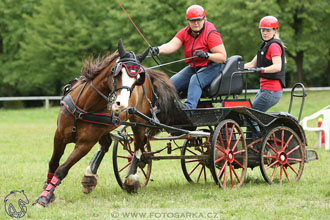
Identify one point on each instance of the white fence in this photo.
(33, 98)
(47, 98)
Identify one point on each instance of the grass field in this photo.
(26, 137)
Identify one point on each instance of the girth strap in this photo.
(91, 117)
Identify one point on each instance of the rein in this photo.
(165, 64)
(149, 45)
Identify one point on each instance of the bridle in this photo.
(133, 68)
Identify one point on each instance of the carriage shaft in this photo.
(202, 157)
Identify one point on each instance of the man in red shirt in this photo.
(270, 60)
(200, 38)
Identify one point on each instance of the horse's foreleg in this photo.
(132, 183)
(89, 180)
(58, 150)
(48, 193)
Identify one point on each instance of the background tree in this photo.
(43, 43)
(305, 24)
(61, 34)
(12, 31)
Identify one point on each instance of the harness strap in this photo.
(74, 130)
(91, 117)
(153, 108)
(98, 91)
(82, 89)
(152, 87)
(73, 84)
(145, 95)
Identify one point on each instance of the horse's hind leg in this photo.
(89, 180)
(80, 151)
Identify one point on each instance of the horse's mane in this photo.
(168, 100)
(92, 67)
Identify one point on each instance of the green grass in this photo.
(26, 138)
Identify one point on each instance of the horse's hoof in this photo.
(44, 200)
(52, 198)
(38, 205)
(132, 188)
(89, 183)
(41, 202)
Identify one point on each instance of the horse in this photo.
(85, 116)
(156, 98)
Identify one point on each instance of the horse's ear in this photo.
(143, 55)
(121, 49)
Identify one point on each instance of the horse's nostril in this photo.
(118, 103)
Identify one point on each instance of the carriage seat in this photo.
(221, 84)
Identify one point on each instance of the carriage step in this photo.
(311, 155)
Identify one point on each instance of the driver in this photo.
(199, 38)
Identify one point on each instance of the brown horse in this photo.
(158, 99)
(163, 97)
(85, 118)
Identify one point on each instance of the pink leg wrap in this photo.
(49, 177)
(48, 193)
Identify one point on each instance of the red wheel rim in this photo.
(229, 154)
(122, 158)
(196, 170)
(282, 156)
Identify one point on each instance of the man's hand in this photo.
(154, 51)
(202, 54)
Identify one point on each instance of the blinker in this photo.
(132, 69)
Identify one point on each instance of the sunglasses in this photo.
(198, 19)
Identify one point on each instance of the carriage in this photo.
(222, 137)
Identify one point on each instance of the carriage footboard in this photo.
(311, 155)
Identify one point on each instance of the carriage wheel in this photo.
(122, 158)
(195, 169)
(229, 156)
(282, 156)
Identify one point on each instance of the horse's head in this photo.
(127, 73)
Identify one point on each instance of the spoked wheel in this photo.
(229, 156)
(122, 156)
(196, 169)
(282, 156)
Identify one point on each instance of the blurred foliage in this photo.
(43, 44)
